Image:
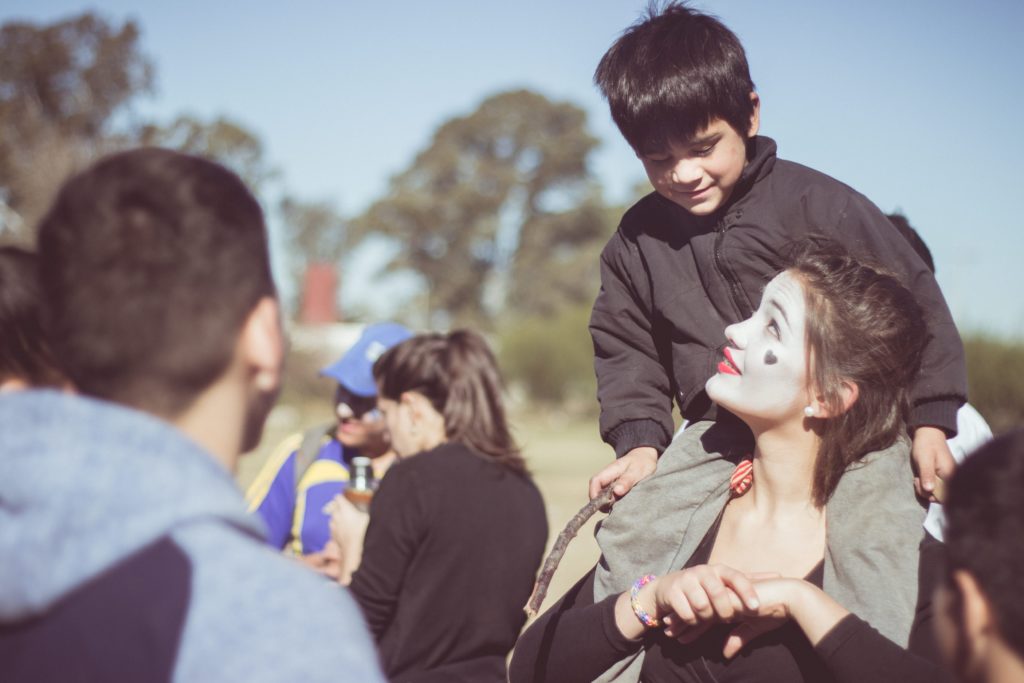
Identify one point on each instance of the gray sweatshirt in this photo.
(127, 554)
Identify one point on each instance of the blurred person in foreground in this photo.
(308, 469)
(128, 552)
(457, 527)
(25, 357)
(979, 607)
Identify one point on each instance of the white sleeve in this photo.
(972, 432)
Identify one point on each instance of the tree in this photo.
(315, 232)
(557, 264)
(222, 140)
(458, 210)
(61, 86)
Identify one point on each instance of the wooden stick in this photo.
(540, 589)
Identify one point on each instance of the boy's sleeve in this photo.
(633, 386)
(941, 386)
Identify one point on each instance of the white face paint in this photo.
(763, 376)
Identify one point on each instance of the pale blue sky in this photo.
(914, 103)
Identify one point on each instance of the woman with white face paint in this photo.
(820, 374)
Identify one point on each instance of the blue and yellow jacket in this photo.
(293, 511)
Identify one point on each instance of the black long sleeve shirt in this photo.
(449, 560)
(577, 640)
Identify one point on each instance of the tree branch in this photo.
(604, 500)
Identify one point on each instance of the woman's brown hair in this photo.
(864, 327)
(458, 374)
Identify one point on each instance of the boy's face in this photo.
(700, 174)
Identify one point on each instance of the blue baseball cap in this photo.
(354, 370)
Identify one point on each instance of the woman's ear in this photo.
(412, 402)
(849, 392)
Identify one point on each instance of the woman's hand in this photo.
(783, 599)
(705, 593)
(348, 527)
(326, 562)
(690, 600)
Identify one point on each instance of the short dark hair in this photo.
(984, 532)
(24, 351)
(913, 238)
(151, 261)
(672, 73)
(459, 375)
(865, 327)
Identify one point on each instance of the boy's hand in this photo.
(626, 471)
(932, 460)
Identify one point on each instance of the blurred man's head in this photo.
(355, 400)
(156, 270)
(25, 357)
(980, 607)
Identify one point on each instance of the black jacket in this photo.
(672, 281)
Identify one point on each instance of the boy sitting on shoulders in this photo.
(693, 257)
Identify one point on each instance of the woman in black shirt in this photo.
(457, 528)
(820, 375)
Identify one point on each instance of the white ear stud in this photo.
(809, 411)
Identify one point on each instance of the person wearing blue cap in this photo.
(308, 469)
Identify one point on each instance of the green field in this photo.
(562, 453)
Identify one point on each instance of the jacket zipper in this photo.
(738, 297)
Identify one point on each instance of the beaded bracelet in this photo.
(634, 602)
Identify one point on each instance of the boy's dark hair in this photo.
(151, 262)
(669, 75)
(458, 374)
(985, 530)
(24, 351)
(913, 238)
(865, 327)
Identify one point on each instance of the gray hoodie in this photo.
(126, 551)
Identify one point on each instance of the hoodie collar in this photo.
(86, 483)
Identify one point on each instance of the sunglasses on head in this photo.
(349, 406)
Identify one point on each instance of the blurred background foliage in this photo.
(995, 374)
(498, 217)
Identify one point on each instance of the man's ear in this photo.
(13, 384)
(755, 115)
(262, 344)
(978, 627)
